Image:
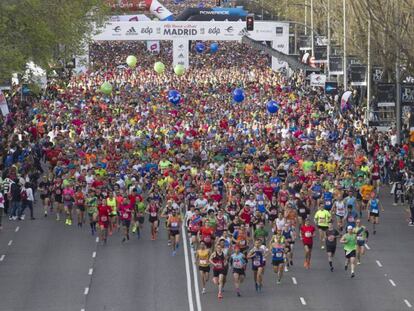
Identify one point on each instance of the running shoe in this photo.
(220, 296)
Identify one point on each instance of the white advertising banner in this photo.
(153, 47)
(194, 30)
(181, 53)
(3, 105)
(280, 43)
(317, 80)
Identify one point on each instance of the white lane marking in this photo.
(294, 280)
(10, 242)
(86, 291)
(195, 275)
(187, 271)
(17, 229)
(2, 257)
(97, 239)
(379, 263)
(408, 303)
(93, 254)
(367, 246)
(392, 282)
(303, 301)
(82, 309)
(90, 271)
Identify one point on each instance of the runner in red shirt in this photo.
(307, 232)
(103, 219)
(206, 235)
(126, 209)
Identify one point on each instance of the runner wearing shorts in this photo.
(331, 238)
(238, 263)
(202, 256)
(307, 233)
(350, 242)
(219, 263)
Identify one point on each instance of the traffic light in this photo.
(250, 23)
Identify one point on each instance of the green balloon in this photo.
(131, 61)
(159, 67)
(179, 69)
(106, 88)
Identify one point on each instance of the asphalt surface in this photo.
(50, 266)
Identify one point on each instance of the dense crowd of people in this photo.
(243, 182)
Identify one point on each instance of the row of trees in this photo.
(392, 26)
(44, 31)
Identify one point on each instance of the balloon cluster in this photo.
(174, 97)
(238, 95)
(272, 106)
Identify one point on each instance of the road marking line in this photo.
(379, 263)
(2, 257)
(187, 272)
(17, 229)
(97, 239)
(10, 242)
(367, 246)
(392, 282)
(93, 254)
(195, 275)
(408, 303)
(303, 301)
(294, 280)
(90, 271)
(82, 309)
(86, 291)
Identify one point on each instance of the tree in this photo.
(37, 30)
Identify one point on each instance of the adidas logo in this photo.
(244, 32)
(131, 31)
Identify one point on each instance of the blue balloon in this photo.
(238, 95)
(214, 47)
(272, 106)
(200, 47)
(174, 97)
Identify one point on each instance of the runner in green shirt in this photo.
(349, 240)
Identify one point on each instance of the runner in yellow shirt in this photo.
(322, 219)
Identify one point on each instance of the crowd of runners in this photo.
(248, 187)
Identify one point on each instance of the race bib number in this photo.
(238, 264)
(351, 219)
(174, 225)
(125, 215)
(256, 263)
(360, 238)
(302, 210)
(308, 234)
(279, 254)
(219, 265)
(328, 202)
(207, 239)
(242, 242)
(203, 262)
(375, 211)
(153, 214)
(104, 218)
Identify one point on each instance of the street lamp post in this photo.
(345, 59)
(312, 34)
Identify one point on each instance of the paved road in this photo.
(49, 266)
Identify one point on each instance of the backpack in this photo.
(23, 195)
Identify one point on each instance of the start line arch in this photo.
(181, 32)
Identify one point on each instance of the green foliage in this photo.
(44, 30)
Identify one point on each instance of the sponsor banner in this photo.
(336, 65)
(153, 6)
(377, 74)
(216, 13)
(407, 94)
(3, 104)
(358, 75)
(386, 94)
(193, 30)
(153, 47)
(321, 54)
(317, 80)
(281, 45)
(331, 88)
(181, 53)
(129, 18)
